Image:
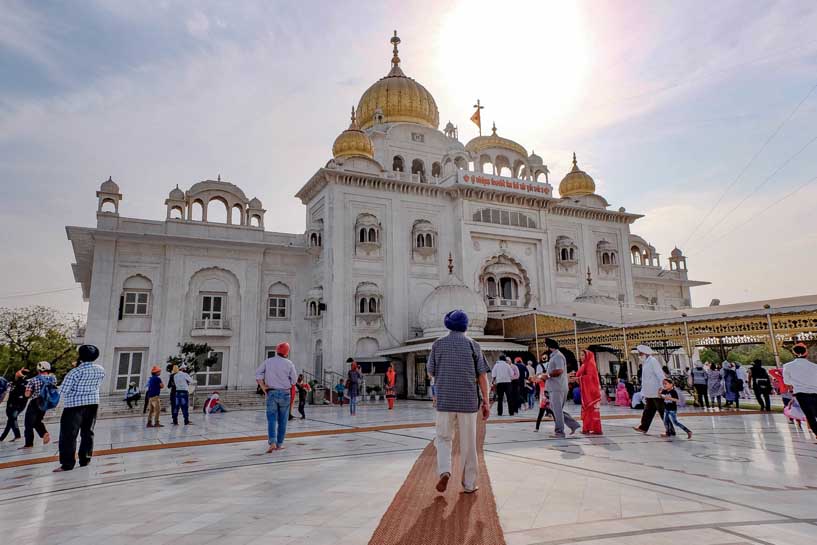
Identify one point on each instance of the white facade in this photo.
(381, 223)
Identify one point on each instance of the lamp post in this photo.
(686, 336)
(575, 335)
(771, 334)
(536, 334)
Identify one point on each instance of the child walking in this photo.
(670, 396)
(339, 390)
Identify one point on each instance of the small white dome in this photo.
(109, 186)
(176, 194)
(534, 159)
(452, 294)
(255, 203)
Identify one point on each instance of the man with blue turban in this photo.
(460, 377)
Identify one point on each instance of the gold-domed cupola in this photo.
(494, 141)
(576, 183)
(399, 98)
(353, 142)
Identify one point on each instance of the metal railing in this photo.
(211, 323)
(498, 302)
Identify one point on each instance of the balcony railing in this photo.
(498, 302)
(211, 327)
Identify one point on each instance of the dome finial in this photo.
(395, 59)
(450, 263)
(575, 163)
(589, 277)
(353, 124)
(493, 129)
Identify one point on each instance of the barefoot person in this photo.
(80, 397)
(588, 377)
(460, 376)
(652, 378)
(276, 376)
(556, 388)
(34, 412)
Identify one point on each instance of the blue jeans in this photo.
(277, 416)
(671, 417)
(181, 402)
(352, 403)
(531, 399)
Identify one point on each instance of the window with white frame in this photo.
(212, 375)
(212, 307)
(128, 369)
(136, 303)
(136, 296)
(278, 302)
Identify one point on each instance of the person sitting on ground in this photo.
(637, 401)
(132, 395)
(213, 404)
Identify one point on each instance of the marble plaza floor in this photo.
(742, 479)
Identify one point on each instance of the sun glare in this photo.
(526, 60)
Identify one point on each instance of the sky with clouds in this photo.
(700, 115)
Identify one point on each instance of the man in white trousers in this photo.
(461, 382)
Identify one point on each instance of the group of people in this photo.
(729, 382)
(36, 395)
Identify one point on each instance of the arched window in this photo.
(636, 255)
(605, 258)
(565, 254)
(237, 216)
(429, 241)
(278, 302)
(176, 213)
(490, 286)
(421, 241)
(108, 205)
(397, 164)
(313, 308)
(572, 254)
(217, 211)
(372, 234)
(197, 211)
(372, 305)
(612, 259)
(363, 305)
(508, 288)
(362, 237)
(136, 296)
(255, 220)
(313, 239)
(436, 169)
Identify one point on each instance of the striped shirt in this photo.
(35, 384)
(81, 385)
(454, 362)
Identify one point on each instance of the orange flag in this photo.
(476, 119)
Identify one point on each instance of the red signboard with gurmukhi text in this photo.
(497, 182)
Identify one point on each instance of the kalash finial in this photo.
(450, 263)
(493, 129)
(575, 164)
(353, 124)
(395, 59)
(589, 278)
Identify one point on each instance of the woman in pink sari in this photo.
(588, 377)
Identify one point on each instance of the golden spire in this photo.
(353, 124)
(395, 59)
(575, 164)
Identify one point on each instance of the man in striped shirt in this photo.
(80, 396)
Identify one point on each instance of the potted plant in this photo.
(376, 389)
(371, 391)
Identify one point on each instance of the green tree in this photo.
(710, 356)
(32, 334)
(194, 355)
(747, 354)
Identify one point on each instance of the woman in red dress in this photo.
(391, 394)
(588, 377)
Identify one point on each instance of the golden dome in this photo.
(353, 142)
(576, 183)
(399, 98)
(480, 143)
